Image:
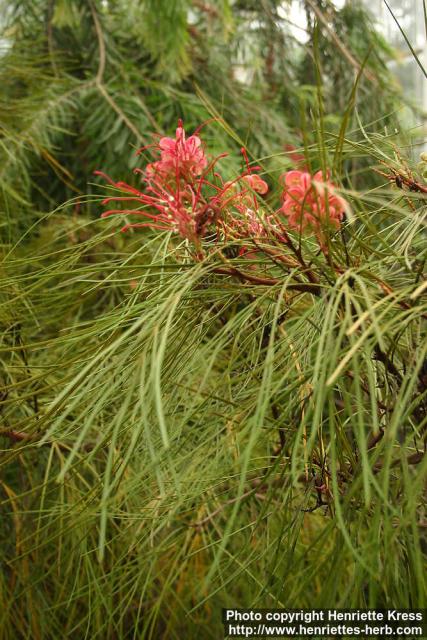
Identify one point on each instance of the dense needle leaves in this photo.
(184, 430)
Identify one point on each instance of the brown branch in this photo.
(16, 436)
(20, 436)
(402, 180)
(306, 287)
(388, 364)
(206, 8)
(413, 459)
(375, 438)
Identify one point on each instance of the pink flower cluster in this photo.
(310, 202)
(179, 158)
(183, 191)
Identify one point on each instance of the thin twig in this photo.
(345, 52)
(100, 76)
(101, 44)
(306, 287)
(20, 436)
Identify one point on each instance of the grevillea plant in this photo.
(228, 408)
(183, 191)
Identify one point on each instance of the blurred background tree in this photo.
(84, 82)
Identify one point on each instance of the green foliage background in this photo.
(168, 433)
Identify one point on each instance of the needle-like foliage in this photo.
(184, 430)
